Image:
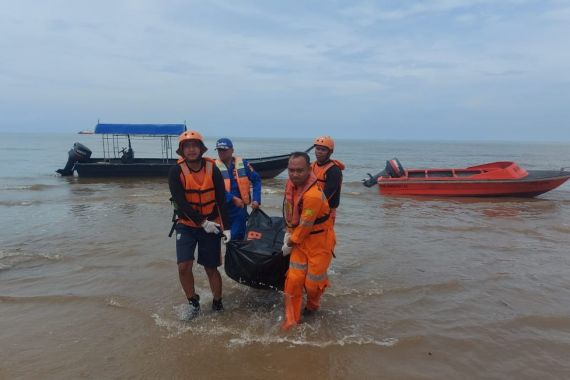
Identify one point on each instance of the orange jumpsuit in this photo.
(313, 240)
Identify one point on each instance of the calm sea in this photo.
(422, 288)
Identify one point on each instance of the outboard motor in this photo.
(393, 169)
(372, 180)
(79, 153)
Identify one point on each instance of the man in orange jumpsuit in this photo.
(310, 239)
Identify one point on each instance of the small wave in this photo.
(174, 328)
(33, 187)
(356, 292)
(24, 203)
(453, 228)
(452, 285)
(111, 301)
(270, 190)
(52, 299)
(10, 259)
(344, 341)
(554, 322)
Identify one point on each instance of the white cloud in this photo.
(196, 57)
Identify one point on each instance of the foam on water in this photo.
(174, 328)
(343, 341)
(271, 190)
(263, 327)
(111, 301)
(11, 258)
(32, 187)
(355, 292)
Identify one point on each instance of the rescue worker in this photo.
(328, 172)
(198, 192)
(310, 239)
(239, 178)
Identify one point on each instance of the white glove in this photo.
(211, 227)
(227, 236)
(286, 249)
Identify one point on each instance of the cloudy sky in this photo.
(439, 69)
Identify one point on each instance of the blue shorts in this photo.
(209, 246)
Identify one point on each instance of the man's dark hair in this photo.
(301, 154)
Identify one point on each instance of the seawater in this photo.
(421, 287)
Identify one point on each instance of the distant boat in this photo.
(120, 161)
(85, 132)
(494, 179)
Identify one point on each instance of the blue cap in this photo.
(224, 143)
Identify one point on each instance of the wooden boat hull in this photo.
(266, 167)
(535, 183)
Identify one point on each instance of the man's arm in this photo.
(178, 193)
(333, 182)
(255, 180)
(221, 205)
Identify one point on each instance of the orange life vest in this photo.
(293, 203)
(240, 175)
(321, 171)
(200, 192)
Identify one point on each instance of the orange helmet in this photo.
(190, 135)
(325, 141)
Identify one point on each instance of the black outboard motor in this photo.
(393, 169)
(79, 153)
(372, 180)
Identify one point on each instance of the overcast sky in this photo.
(440, 69)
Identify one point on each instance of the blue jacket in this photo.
(254, 178)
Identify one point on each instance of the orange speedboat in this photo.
(495, 179)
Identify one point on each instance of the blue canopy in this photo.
(141, 129)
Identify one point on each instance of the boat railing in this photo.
(118, 146)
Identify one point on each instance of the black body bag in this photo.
(258, 261)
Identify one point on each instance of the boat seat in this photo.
(440, 173)
(394, 168)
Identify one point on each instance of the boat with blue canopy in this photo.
(119, 158)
